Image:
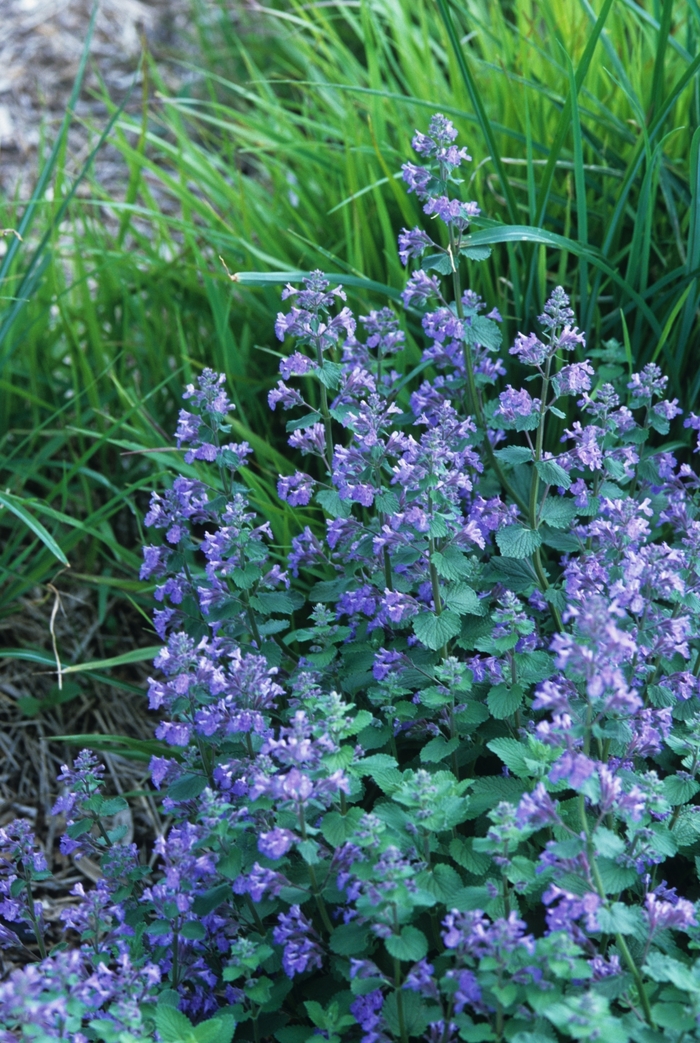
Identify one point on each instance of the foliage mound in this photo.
(434, 775)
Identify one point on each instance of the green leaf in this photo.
(620, 919)
(329, 589)
(230, 864)
(273, 601)
(16, 507)
(387, 501)
(302, 422)
(209, 900)
(666, 968)
(503, 700)
(615, 878)
(188, 787)
(514, 454)
(349, 939)
(113, 805)
(513, 755)
(476, 862)
(678, 790)
(484, 331)
(437, 749)
(451, 563)
(411, 944)
(138, 655)
(173, 1025)
(332, 504)
(381, 767)
(439, 263)
(517, 542)
(553, 473)
(218, 1029)
(416, 1015)
(434, 630)
(462, 599)
(193, 930)
(534, 666)
(558, 513)
(476, 253)
(329, 374)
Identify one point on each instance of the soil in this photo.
(41, 44)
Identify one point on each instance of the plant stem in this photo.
(619, 938)
(32, 916)
(325, 412)
(399, 1001)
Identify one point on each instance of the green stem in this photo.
(399, 1001)
(32, 916)
(434, 580)
(175, 972)
(619, 938)
(325, 412)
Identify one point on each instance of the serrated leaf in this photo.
(113, 805)
(344, 413)
(173, 1025)
(332, 504)
(451, 563)
(193, 930)
(230, 864)
(387, 501)
(246, 577)
(438, 263)
(437, 749)
(218, 1029)
(484, 331)
(553, 473)
(513, 755)
(533, 667)
(329, 589)
(475, 862)
(515, 541)
(416, 1015)
(188, 787)
(381, 768)
(302, 422)
(462, 599)
(272, 601)
(349, 939)
(615, 878)
(514, 454)
(411, 944)
(329, 374)
(476, 253)
(488, 791)
(666, 968)
(558, 512)
(678, 790)
(619, 919)
(503, 700)
(433, 631)
(607, 843)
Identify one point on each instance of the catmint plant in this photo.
(429, 773)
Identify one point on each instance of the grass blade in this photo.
(18, 508)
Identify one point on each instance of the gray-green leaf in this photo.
(434, 630)
(515, 541)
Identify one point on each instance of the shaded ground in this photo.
(41, 42)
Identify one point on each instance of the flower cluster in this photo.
(432, 772)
